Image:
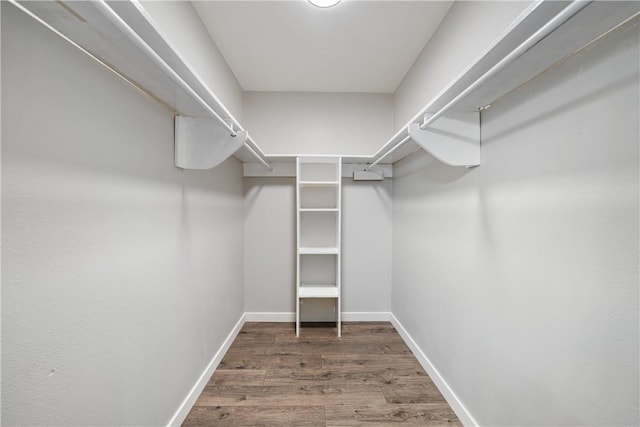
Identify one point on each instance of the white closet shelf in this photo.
(305, 250)
(546, 33)
(318, 183)
(122, 36)
(318, 209)
(318, 290)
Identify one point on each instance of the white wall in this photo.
(121, 275)
(366, 245)
(466, 31)
(319, 123)
(270, 246)
(185, 32)
(519, 279)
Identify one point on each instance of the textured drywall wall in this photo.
(183, 29)
(270, 246)
(519, 279)
(354, 124)
(121, 275)
(466, 31)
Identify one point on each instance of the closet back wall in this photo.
(319, 123)
(121, 274)
(270, 249)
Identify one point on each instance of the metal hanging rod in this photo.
(234, 122)
(115, 19)
(394, 148)
(253, 151)
(562, 17)
(76, 45)
(119, 23)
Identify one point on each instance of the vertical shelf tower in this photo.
(319, 219)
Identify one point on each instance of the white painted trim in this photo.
(366, 316)
(456, 404)
(194, 393)
(288, 169)
(270, 317)
(349, 316)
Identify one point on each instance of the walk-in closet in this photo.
(320, 213)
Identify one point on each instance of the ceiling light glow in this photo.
(324, 3)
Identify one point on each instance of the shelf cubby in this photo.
(318, 229)
(319, 197)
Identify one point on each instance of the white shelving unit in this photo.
(124, 38)
(319, 219)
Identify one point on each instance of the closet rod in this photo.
(562, 17)
(566, 14)
(255, 153)
(395, 147)
(119, 23)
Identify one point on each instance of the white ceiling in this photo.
(292, 46)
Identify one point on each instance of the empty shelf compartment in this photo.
(319, 229)
(318, 268)
(319, 197)
(319, 169)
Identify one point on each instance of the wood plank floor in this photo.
(368, 377)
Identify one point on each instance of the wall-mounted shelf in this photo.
(324, 250)
(122, 36)
(545, 33)
(285, 166)
(318, 183)
(328, 290)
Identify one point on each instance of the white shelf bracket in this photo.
(204, 143)
(453, 139)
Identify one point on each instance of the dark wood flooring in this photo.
(366, 378)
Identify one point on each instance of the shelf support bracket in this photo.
(453, 139)
(203, 143)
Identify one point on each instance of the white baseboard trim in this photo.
(269, 317)
(347, 316)
(186, 405)
(456, 404)
(366, 316)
